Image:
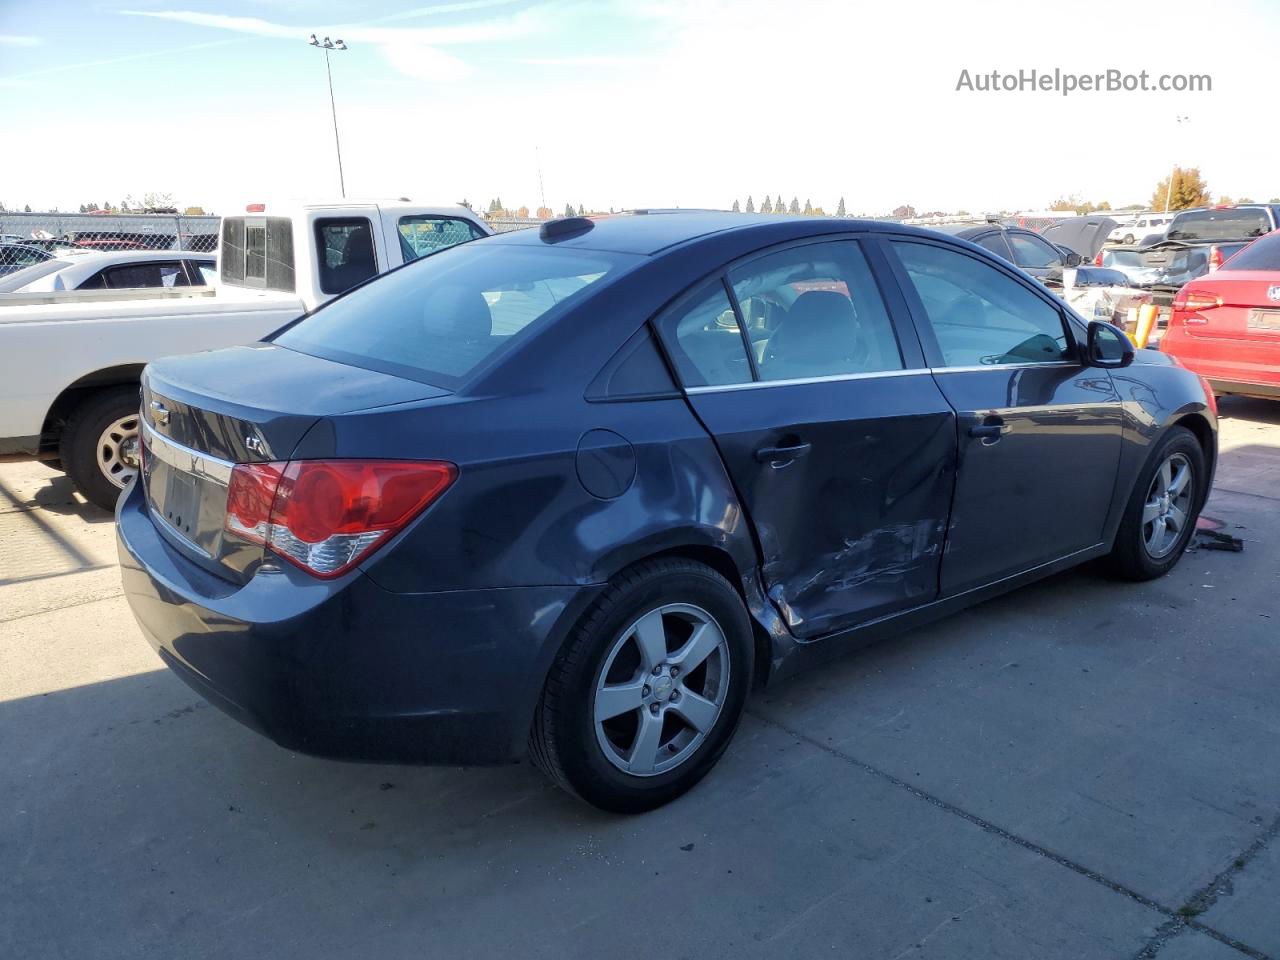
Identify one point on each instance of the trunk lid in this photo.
(205, 413)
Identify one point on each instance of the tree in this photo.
(736, 208)
(568, 209)
(767, 206)
(1245, 200)
(795, 206)
(523, 213)
(581, 212)
(1226, 201)
(544, 213)
(194, 212)
(840, 211)
(1187, 190)
(751, 204)
(26, 208)
(808, 208)
(818, 212)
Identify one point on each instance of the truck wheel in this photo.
(1163, 507)
(649, 688)
(100, 444)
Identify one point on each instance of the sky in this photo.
(627, 103)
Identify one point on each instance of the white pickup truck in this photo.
(70, 361)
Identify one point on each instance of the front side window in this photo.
(704, 340)
(346, 255)
(979, 315)
(815, 311)
(1031, 251)
(438, 319)
(421, 234)
(996, 243)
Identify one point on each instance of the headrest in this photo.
(457, 313)
(821, 325)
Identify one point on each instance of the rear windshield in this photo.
(439, 318)
(258, 252)
(1219, 225)
(1262, 254)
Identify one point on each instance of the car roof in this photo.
(648, 232)
(94, 258)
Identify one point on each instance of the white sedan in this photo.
(113, 270)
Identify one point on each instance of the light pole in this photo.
(1168, 194)
(326, 45)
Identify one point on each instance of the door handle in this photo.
(783, 455)
(989, 431)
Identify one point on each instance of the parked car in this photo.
(15, 256)
(1140, 227)
(54, 245)
(573, 490)
(1025, 248)
(70, 362)
(1226, 326)
(1197, 242)
(120, 270)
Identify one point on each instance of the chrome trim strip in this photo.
(184, 458)
(836, 378)
(1006, 366)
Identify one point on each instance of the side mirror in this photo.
(1073, 259)
(1109, 346)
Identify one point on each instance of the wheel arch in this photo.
(72, 396)
(1204, 433)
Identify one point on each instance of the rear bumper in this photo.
(346, 669)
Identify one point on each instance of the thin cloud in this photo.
(412, 51)
(10, 40)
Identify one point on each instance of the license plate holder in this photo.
(181, 501)
(1268, 320)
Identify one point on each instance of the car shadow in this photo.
(1252, 409)
(57, 495)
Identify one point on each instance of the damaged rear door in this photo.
(839, 442)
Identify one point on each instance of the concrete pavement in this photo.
(1082, 769)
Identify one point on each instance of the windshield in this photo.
(1262, 254)
(20, 278)
(1239, 224)
(439, 318)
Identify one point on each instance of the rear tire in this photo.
(1147, 544)
(671, 722)
(99, 444)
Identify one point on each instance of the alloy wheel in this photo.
(661, 689)
(1167, 509)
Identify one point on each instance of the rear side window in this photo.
(438, 319)
(815, 311)
(421, 234)
(346, 255)
(1219, 224)
(1262, 254)
(996, 243)
(979, 315)
(705, 342)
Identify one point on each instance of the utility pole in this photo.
(326, 45)
(1168, 194)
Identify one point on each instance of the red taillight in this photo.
(1097, 261)
(326, 516)
(1215, 258)
(1195, 301)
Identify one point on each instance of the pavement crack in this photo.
(1178, 919)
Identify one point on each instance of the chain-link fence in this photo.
(29, 238)
(508, 224)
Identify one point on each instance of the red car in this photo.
(1225, 325)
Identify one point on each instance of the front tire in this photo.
(100, 444)
(649, 688)
(1163, 507)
